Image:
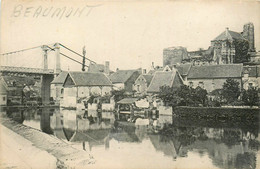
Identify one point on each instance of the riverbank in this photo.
(35, 149)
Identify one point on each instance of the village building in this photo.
(15, 88)
(184, 69)
(213, 77)
(124, 79)
(164, 78)
(101, 68)
(225, 44)
(57, 86)
(81, 85)
(3, 94)
(251, 77)
(141, 83)
(174, 55)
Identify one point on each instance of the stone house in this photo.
(14, 88)
(141, 83)
(124, 79)
(213, 77)
(3, 94)
(251, 77)
(81, 85)
(164, 78)
(102, 68)
(57, 86)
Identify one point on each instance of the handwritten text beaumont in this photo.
(53, 12)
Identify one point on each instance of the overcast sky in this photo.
(128, 34)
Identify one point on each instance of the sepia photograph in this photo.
(113, 84)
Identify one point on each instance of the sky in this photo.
(129, 34)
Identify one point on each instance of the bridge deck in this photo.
(39, 71)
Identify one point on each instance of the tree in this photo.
(241, 48)
(169, 96)
(201, 95)
(250, 97)
(231, 90)
(118, 94)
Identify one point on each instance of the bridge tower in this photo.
(57, 69)
(46, 78)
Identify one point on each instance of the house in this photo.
(81, 85)
(142, 82)
(3, 94)
(174, 55)
(251, 77)
(95, 68)
(183, 69)
(161, 78)
(213, 77)
(57, 86)
(15, 88)
(124, 79)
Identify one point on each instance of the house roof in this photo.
(89, 79)
(121, 76)
(60, 79)
(162, 79)
(253, 71)
(148, 78)
(183, 69)
(215, 71)
(127, 100)
(152, 71)
(231, 35)
(96, 68)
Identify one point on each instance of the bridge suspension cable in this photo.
(68, 57)
(22, 50)
(75, 52)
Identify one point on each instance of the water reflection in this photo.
(224, 145)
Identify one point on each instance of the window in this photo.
(4, 98)
(250, 85)
(201, 84)
(191, 84)
(138, 88)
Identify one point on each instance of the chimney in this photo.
(107, 70)
(227, 29)
(152, 66)
(144, 71)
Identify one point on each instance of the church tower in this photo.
(248, 33)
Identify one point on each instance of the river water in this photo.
(183, 143)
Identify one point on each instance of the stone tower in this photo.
(248, 33)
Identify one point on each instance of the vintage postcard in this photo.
(130, 84)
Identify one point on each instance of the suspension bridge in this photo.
(12, 64)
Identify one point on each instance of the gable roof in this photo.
(89, 79)
(215, 71)
(121, 76)
(148, 79)
(229, 36)
(163, 79)
(183, 69)
(60, 79)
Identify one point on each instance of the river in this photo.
(183, 143)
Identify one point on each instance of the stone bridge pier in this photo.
(46, 88)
